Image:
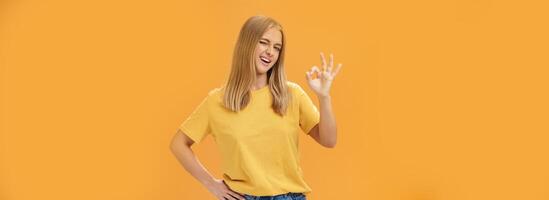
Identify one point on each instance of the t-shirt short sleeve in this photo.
(197, 125)
(308, 113)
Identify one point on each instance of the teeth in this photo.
(266, 60)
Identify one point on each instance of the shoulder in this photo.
(215, 95)
(215, 91)
(294, 87)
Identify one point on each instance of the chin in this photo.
(263, 69)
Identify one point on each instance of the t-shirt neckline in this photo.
(260, 90)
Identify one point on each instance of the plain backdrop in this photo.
(437, 100)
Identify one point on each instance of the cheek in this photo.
(258, 50)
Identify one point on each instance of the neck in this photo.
(260, 81)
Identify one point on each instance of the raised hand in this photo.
(320, 80)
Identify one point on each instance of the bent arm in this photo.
(181, 148)
(325, 132)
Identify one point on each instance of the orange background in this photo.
(437, 100)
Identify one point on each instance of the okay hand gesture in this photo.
(320, 80)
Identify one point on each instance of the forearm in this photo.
(327, 125)
(190, 162)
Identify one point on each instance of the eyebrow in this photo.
(270, 41)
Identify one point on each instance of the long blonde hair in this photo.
(243, 72)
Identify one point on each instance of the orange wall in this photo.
(437, 100)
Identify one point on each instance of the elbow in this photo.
(175, 146)
(178, 148)
(330, 144)
(180, 142)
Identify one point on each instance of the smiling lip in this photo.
(265, 59)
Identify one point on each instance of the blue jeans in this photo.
(287, 196)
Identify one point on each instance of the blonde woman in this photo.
(256, 118)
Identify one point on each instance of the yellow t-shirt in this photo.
(259, 148)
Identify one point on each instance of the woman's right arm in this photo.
(181, 148)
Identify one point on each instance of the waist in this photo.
(280, 196)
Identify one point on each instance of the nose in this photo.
(269, 51)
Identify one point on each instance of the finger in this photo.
(229, 197)
(327, 75)
(315, 72)
(331, 60)
(315, 69)
(337, 69)
(323, 60)
(234, 194)
(308, 75)
(331, 66)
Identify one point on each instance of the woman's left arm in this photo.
(325, 132)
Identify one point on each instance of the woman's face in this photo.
(268, 49)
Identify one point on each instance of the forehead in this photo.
(274, 35)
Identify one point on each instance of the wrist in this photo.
(208, 181)
(324, 97)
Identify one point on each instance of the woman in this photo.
(256, 118)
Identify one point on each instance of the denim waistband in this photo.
(275, 197)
